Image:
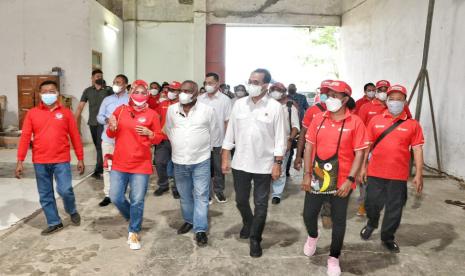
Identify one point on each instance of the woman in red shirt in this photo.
(335, 143)
(135, 128)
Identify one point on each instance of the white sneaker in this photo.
(333, 267)
(133, 241)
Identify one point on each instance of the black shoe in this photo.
(366, 232)
(96, 175)
(105, 202)
(255, 249)
(160, 191)
(275, 200)
(175, 194)
(288, 174)
(201, 238)
(245, 232)
(52, 229)
(220, 197)
(391, 246)
(76, 218)
(186, 227)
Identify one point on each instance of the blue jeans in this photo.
(193, 183)
(278, 184)
(170, 169)
(44, 178)
(132, 210)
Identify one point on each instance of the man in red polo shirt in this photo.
(163, 150)
(51, 125)
(388, 166)
(370, 91)
(378, 105)
(154, 95)
(307, 120)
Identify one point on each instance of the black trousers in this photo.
(261, 192)
(162, 158)
(96, 132)
(216, 172)
(391, 194)
(312, 207)
(289, 160)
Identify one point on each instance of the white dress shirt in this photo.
(294, 123)
(191, 135)
(222, 106)
(256, 131)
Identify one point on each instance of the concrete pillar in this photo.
(216, 50)
(200, 33)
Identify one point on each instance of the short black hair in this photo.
(223, 85)
(48, 82)
(366, 86)
(214, 75)
(126, 80)
(267, 77)
(240, 86)
(96, 71)
(350, 103)
(164, 84)
(154, 82)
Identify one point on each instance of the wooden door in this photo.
(28, 92)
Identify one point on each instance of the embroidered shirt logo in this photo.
(142, 120)
(59, 116)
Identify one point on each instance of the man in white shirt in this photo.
(256, 131)
(292, 128)
(191, 128)
(222, 106)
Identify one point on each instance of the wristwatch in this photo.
(351, 178)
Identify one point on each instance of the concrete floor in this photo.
(431, 238)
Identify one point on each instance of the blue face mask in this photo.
(323, 98)
(49, 99)
(395, 107)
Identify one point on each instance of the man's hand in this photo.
(112, 123)
(225, 162)
(298, 163)
(306, 183)
(344, 190)
(81, 167)
(363, 175)
(276, 171)
(418, 182)
(19, 169)
(143, 131)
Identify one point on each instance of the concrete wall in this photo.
(384, 40)
(38, 35)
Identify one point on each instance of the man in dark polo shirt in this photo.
(94, 95)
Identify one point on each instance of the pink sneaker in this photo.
(333, 267)
(310, 246)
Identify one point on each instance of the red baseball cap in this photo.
(382, 83)
(278, 85)
(176, 85)
(324, 86)
(341, 87)
(139, 83)
(397, 88)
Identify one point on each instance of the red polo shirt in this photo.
(360, 102)
(161, 109)
(353, 139)
(376, 107)
(132, 152)
(153, 101)
(51, 130)
(390, 159)
(310, 114)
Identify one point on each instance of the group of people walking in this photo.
(199, 137)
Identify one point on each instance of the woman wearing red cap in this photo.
(135, 128)
(333, 156)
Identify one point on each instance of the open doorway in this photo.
(301, 55)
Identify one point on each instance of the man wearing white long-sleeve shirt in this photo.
(256, 131)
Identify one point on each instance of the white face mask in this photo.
(371, 94)
(172, 95)
(154, 92)
(382, 96)
(185, 98)
(333, 104)
(116, 88)
(395, 107)
(210, 89)
(276, 95)
(254, 90)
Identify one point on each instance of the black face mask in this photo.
(100, 82)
